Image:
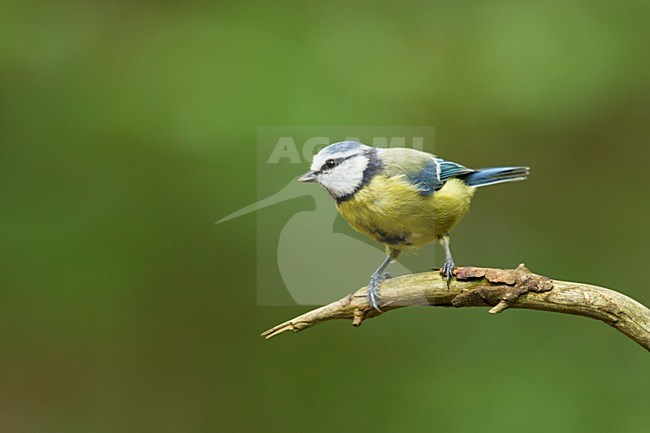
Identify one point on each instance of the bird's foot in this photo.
(448, 269)
(373, 290)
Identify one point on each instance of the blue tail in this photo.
(490, 176)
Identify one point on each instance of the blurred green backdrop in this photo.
(128, 128)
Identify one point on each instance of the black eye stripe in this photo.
(336, 161)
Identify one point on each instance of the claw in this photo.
(375, 281)
(448, 266)
(447, 269)
(373, 291)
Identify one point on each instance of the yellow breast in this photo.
(392, 211)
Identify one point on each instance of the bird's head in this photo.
(343, 168)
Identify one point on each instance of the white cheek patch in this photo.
(345, 178)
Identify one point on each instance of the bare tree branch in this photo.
(483, 287)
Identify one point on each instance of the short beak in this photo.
(310, 176)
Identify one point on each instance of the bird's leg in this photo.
(449, 265)
(376, 279)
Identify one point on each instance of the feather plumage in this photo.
(401, 197)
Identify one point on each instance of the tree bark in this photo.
(485, 287)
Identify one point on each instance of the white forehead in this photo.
(342, 149)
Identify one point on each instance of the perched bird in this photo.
(401, 197)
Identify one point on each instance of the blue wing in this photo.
(435, 173)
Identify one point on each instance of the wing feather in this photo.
(426, 172)
(435, 174)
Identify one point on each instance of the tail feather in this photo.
(491, 176)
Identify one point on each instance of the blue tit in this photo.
(403, 198)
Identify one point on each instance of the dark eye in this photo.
(330, 163)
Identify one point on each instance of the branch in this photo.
(484, 287)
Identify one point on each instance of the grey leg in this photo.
(375, 280)
(449, 264)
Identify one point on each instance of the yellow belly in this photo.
(392, 211)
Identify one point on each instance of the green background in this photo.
(128, 128)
